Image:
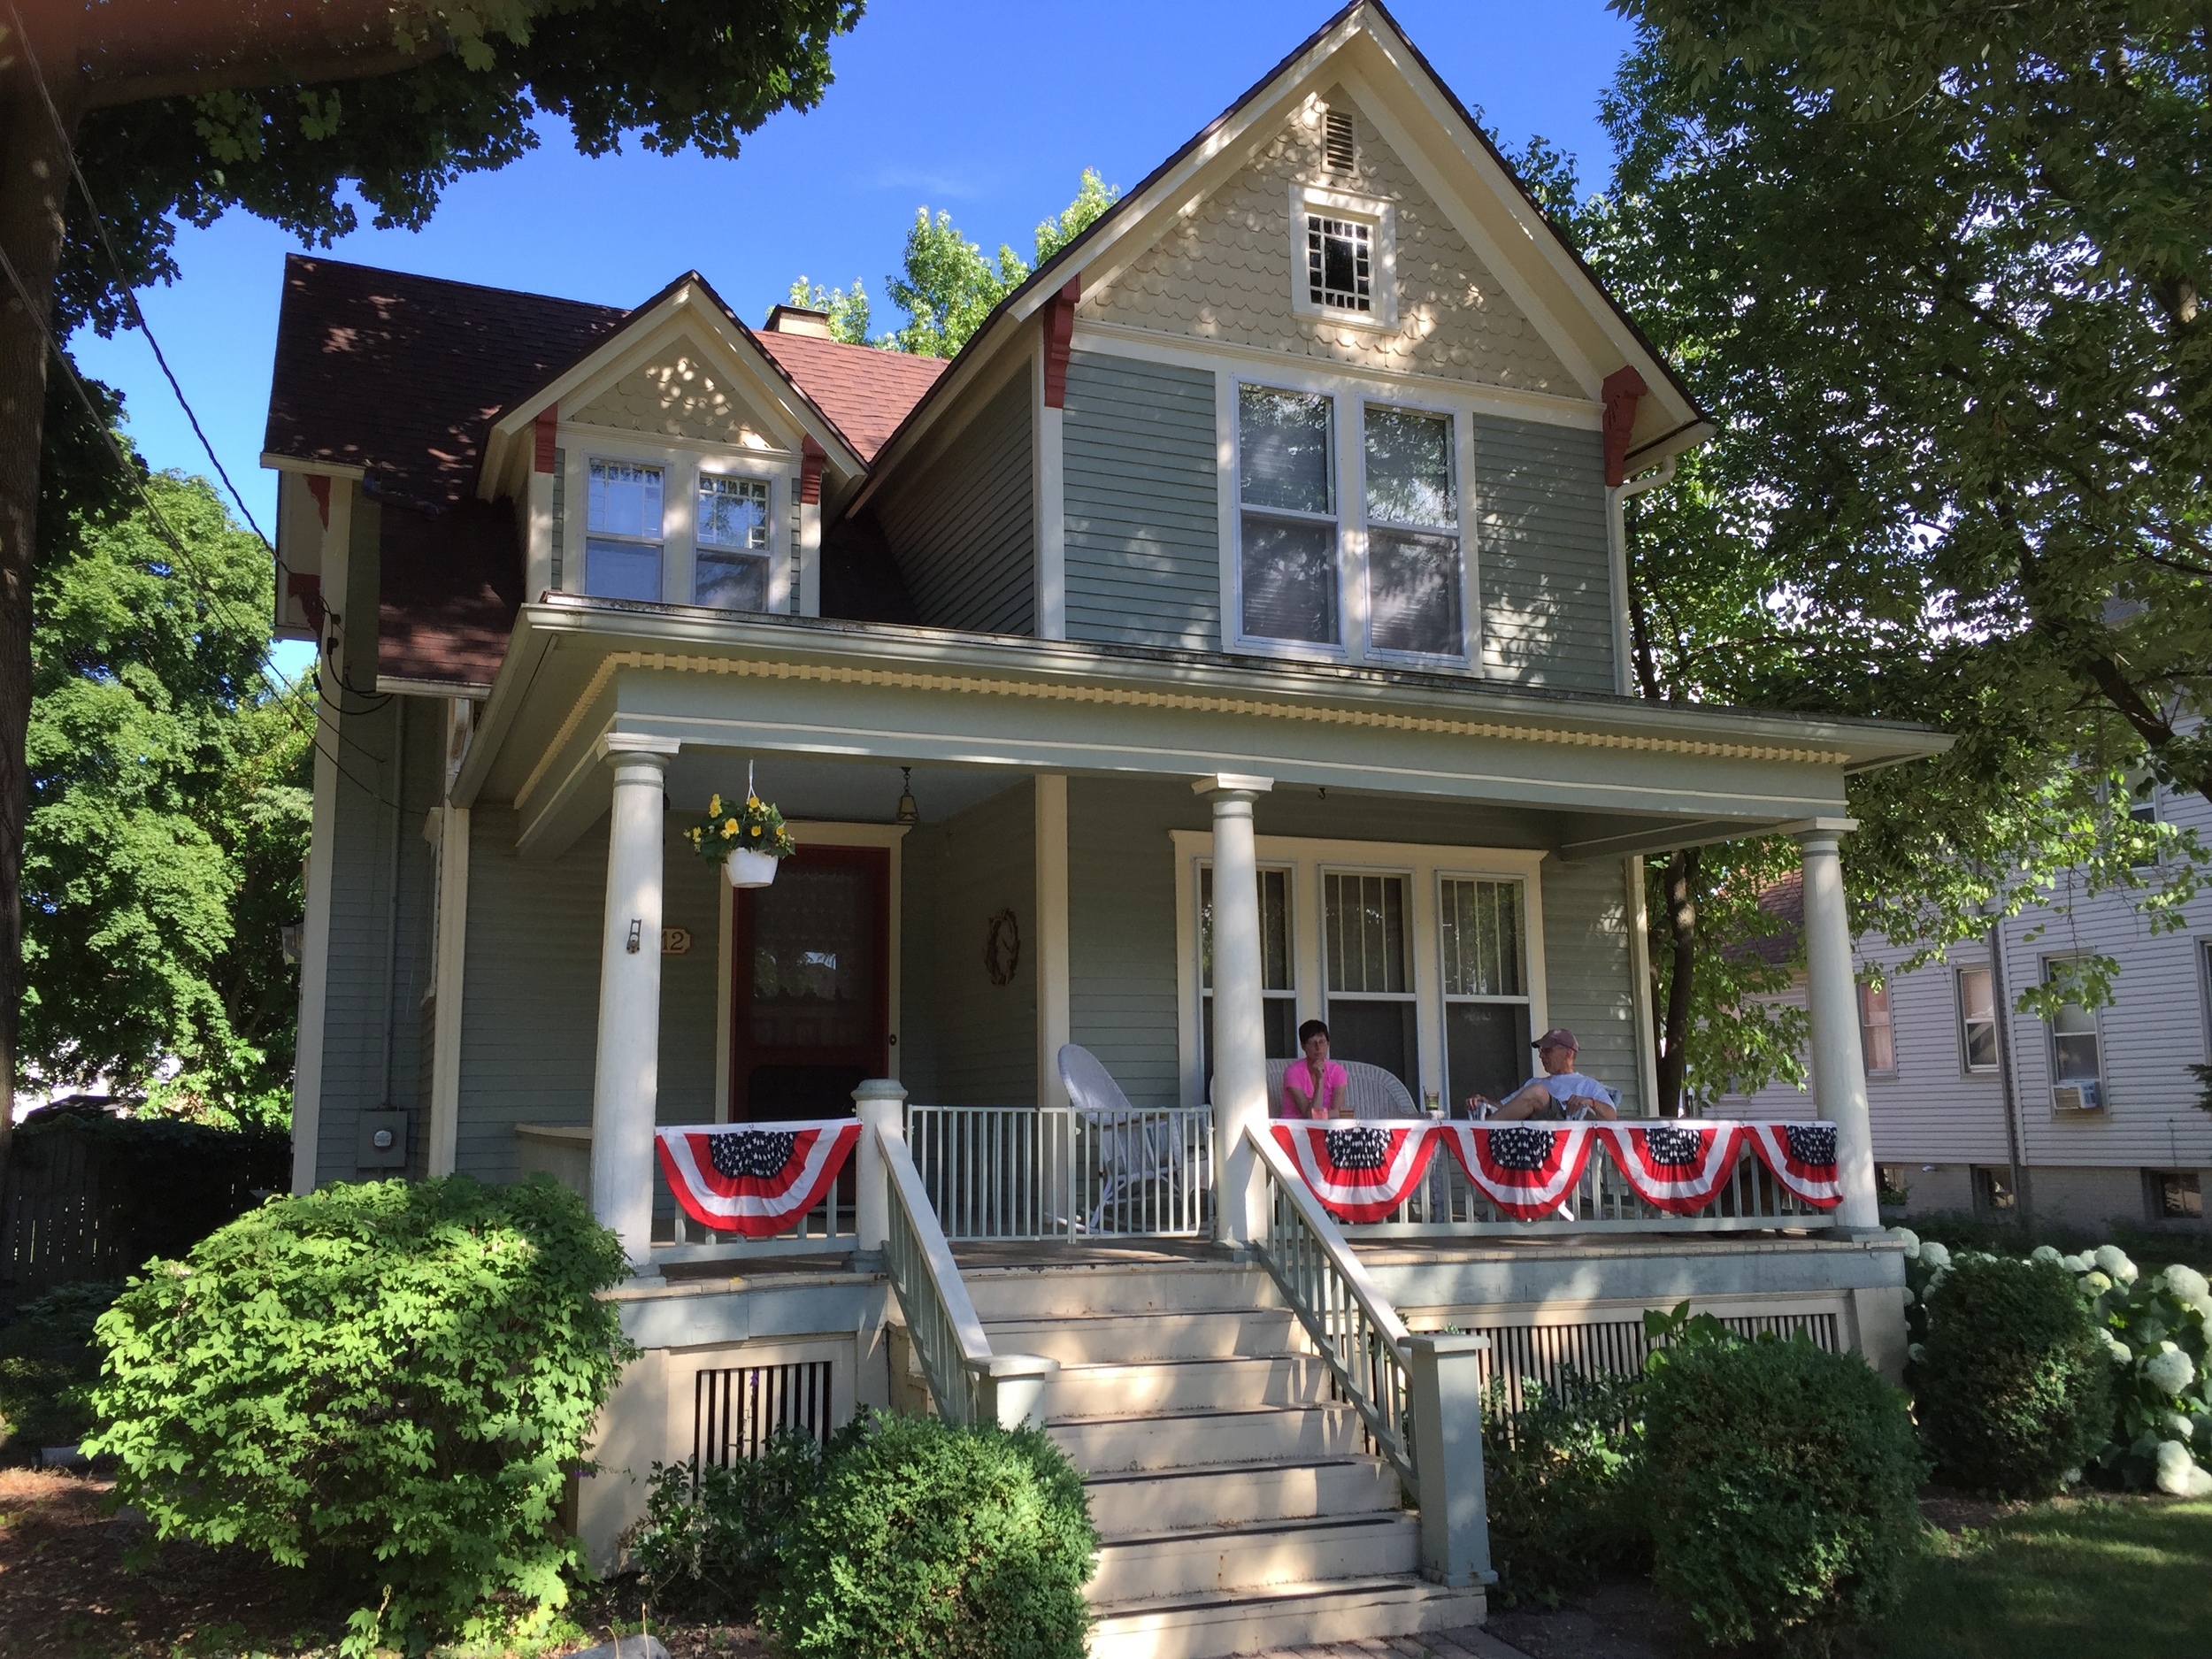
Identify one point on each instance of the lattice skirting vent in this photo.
(736, 1409)
(1546, 1353)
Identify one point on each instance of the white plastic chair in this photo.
(1133, 1148)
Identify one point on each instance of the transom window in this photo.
(1367, 938)
(1486, 988)
(1286, 485)
(1413, 561)
(623, 532)
(1339, 263)
(730, 559)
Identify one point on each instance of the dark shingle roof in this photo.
(864, 391)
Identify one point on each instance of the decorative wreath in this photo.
(1002, 947)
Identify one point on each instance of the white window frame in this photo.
(668, 476)
(1348, 413)
(1889, 1011)
(2052, 1080)
(1203, 867)
(1460, 447)
(1967, 1068)
(1381, 219)
(1427, 866)
(682, 463)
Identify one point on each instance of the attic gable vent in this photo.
(1336, 142)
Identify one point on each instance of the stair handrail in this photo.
(1362, 1338)
(1419, 1395)
(967, 1381)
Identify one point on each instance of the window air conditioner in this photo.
(2077, 1097)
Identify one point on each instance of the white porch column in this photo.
(1053, 995)
(627, 1086)
(1839, 1067)
(1240, 1030)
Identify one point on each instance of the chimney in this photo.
(798, 319)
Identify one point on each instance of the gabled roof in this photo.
(1534, 256)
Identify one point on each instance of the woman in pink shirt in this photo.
(1317, 1085)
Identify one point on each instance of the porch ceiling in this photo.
(1615, 775)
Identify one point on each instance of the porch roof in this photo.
(1611, 774)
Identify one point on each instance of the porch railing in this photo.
(1447, 1204)
(1026, 1172)
(826, 1230)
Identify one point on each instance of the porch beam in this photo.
(1240, 1025)
(1838, 1066)
(625, 1086)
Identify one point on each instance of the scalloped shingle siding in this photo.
(677, 397)
(1225, 273)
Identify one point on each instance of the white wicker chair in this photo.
(1131, 1150)
(1370, 1091)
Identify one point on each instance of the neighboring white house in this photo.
(2090, 1117)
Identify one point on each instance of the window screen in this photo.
(1365, 922)
(1486, 988)
(1413, 557)
(1285, 477)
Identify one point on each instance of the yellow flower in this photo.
(756, 829)
(752, 800)
(714, 807)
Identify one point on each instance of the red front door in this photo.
(811, 982)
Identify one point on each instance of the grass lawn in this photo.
(2075, 1578)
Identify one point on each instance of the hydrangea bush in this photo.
(2156, 1333)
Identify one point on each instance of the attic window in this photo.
(1339, 263)
(1336, 142)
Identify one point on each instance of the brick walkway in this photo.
(1471, 1643)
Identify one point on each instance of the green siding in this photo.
(964, 1041)
(374, 774)
(1586, 971)
(1545, 567)
(1142, 555)
(529, 1037)
(964, 532)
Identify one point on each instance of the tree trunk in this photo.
(33, 186)
(1679, 888)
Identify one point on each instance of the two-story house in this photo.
(1276, 521)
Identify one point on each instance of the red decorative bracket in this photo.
(548, 425)
(319, 487)
(812, 454)
(1058, 321)
(1620, 391)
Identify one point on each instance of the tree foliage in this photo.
(170, 802)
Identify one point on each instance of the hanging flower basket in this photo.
(748, 841)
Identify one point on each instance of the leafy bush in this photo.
(712, 1548)
(2013, 1384)
(924, 1541)
(1559, 1477)
(1780, 1483)
(388, 1382)
(47, 1358)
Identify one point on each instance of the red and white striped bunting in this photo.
(1677, 1166)
(1360, 1172)
(755, 1179)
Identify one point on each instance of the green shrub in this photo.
(47, 1359)
(386, 1382)
(1559, 1475)
(2011, 1382)
(924, 1541)
(711, 1547)
(1779, 1480)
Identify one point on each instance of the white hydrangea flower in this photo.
(1910, 1239)
(2044, 1252)
(2175, 1466)
(2074, 1264)
(2203, 1305)
(1908, 1296)
(2071, 1477)
(2095, 1284)
(2176, 1427)
(2121, 1355)
(2171, 1369)
(1936, 1255)
(2184, 1284)
(2113, 1260)
(1915, 1352)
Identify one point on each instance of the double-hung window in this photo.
(1877, 1037)
(1286, 494)
(1485, 987)
(623, 532)
(1278, 987)
(1977, 1020)
(2076, 1057)
(1366, 930)
(729, 559)
(1413, 557)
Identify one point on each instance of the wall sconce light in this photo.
(908, 811)
(637, 933)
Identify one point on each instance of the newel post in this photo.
(1014, 1390)
(881, 1104)
(1444, 1378)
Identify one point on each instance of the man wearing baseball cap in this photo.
(1559, 1091)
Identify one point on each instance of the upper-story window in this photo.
(1286, 488)
(729, 563)
(1977, 1019)
(1339, 263)
(1877, 1037)
(1413, 562)
(623, 532)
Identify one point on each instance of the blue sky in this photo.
(985, 108)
